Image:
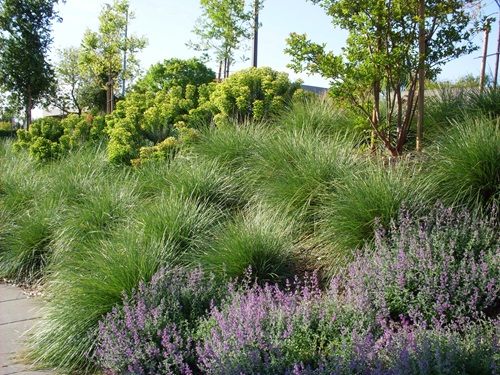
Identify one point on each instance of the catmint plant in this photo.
(440, 269)
(150, 332)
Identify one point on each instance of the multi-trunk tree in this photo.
(225, 25)
(392, 46)
(111, 52)
(25, 40)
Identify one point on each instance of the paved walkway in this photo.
(18, 313)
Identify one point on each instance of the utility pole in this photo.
(255, 32)
(125, 54)
(487, 29)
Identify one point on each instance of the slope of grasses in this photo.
(282, 198)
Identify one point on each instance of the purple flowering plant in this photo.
(423, 300)
(440, 269)
(150, 332)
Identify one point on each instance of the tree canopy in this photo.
(175, 72)
(378, 70)
(25, 40)
(110, 52)
(222, 28)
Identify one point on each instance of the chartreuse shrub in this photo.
(48, 138)
(254, 93)
(149, 125)
(6, 129)
(465, 166)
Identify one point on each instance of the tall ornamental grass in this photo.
(89, 278)
(84, 289)
(206, 181)
(465, 167)
(316, 114)
(186, 224)
(486, 103)
(293, 170)
(232, 146)
(371, 193)
(256, 239)
(27, 243)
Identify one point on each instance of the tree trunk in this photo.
(421, 73)
(29, 104)
(255, 33)
(495, 79)
(487, 29)
(219, 79)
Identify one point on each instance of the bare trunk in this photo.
(487, 29)
(495, 79)
(219, 79)
(228, 63)
(29, 105)
(255, 33)
(421, 73)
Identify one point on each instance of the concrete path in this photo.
(18, 313)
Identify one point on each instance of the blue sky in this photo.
(168, 25)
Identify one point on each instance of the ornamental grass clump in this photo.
(352, 206)
(466, 165)
(151, 333)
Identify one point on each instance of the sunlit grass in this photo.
(465, 165)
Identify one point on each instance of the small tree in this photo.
(105, 50)
(222, 28)
(69, 79)
(378, 72)
(175, 72)
(25, 27)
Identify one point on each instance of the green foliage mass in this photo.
(175, 72)
(147, 120)
(252, 93)
(50, 137)
(25, 41)
(143, 121)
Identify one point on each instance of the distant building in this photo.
(57, 113)
(315, 89)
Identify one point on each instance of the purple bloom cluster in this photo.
(437, 270)
(423, 300)
(150, 332)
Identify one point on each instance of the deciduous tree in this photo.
(223, 27)
(25, 40)
(175, 72)
(378, 71)
(104, 50)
